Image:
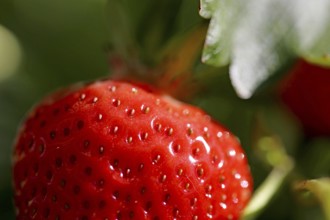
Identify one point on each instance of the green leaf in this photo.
(207, 8)
(314, 31)
(218, 41)
(259, 37)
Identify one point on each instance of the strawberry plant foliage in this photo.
(258, 37)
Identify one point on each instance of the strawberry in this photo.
(306, 92)
(119, 150)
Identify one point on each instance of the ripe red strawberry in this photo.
(306, 91)
(113, 150)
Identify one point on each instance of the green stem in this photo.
(321, 189)
(268, 189)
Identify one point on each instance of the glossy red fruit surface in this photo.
(114, 150)
(306, 92)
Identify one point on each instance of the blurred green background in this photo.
(61, 42)
(57, 43)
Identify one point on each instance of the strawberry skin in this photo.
(306, 92)
(117, 150)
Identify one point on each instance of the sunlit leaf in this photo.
(207, 8)
(218, 41)
(258, 37)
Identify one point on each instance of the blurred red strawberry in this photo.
(306, 92)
